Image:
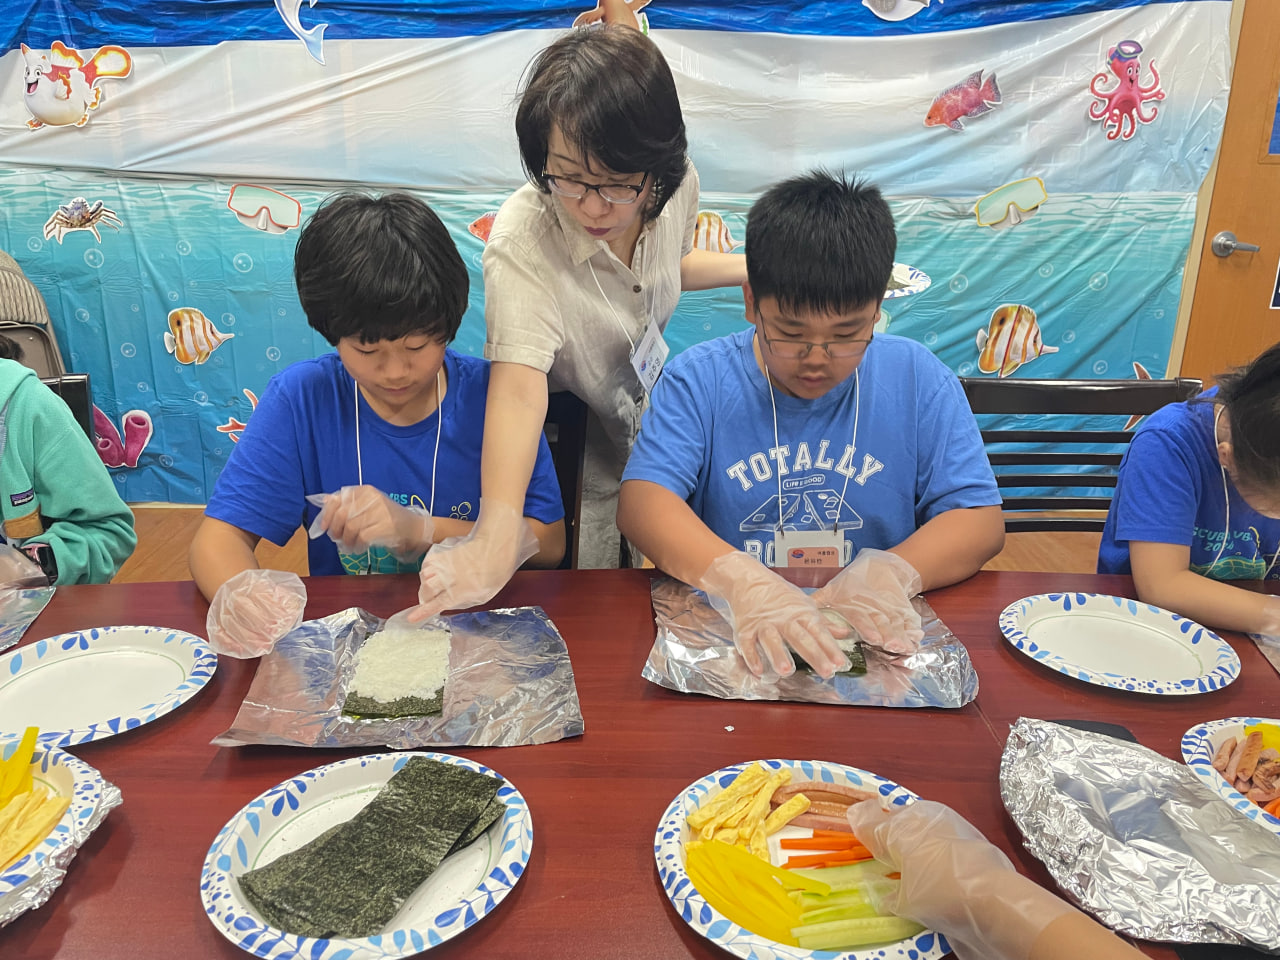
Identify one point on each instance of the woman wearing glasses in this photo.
(583, 269)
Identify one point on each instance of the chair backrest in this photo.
(24, 317)
(1072, 451)
(566, 432)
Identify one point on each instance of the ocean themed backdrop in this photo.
(158, 156)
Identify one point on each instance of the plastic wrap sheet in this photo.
(1138, 841)
(17, 609)
(510, 683)
(694, 653)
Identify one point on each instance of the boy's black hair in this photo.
(379, 268)
(10, 349)
(820, 242)
(1251, 395)
(610, 91)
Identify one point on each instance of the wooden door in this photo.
(1232, 319)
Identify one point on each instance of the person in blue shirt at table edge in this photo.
(1197, 502)
(808, 438)
(377, 444)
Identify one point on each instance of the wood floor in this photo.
(165, 532)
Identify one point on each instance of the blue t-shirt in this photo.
(301, 440)
(1169, 490)
(708, 437)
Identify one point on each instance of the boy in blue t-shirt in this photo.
(376, 445)
(808, 441)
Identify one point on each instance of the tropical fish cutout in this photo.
(263, 208)
(1120, 107)
(60, 88)
(1011, 339)
(971, 97)
(1140, 372)
(313, 38)
(712, 233)
(1011, 204)
(895, 10)
(481, 226)
(79, 214)
(233, 427)
(638, 20)
(191, 336)
(112, 450)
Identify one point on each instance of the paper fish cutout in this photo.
(115, 452)
(1012, 204)
(80, 215)
(233, 427)
(312, 39)
(191, 336)
(62, 87)
(1011, 339)
(971, 97)
(712, 233)
(263, 208)
(480, 226)
(1140, 372)
(638, 19)
(895, 9)
(1120, 108)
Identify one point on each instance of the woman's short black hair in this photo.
(820, 242)
(379, 268)
(1251, 395)
(611, 93)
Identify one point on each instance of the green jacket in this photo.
(54, 488)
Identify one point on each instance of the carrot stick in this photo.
(820, 843)
(836, 834)
(828, 859)
(893, 876)
(1273, 807)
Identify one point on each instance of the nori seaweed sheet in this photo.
(496, 808)
(350, 881)
(367, 708)
(857, 662)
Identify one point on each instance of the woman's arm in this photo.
(219, 551)
(1162, 575)
(704, 270)
(953, 545)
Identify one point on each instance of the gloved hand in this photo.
(873, 594)
(18, 571)
(253, 610)
(768, 615)
(464, 571)
(357, 518)
(955, 881)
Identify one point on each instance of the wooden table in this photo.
(591, 890)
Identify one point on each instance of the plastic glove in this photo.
(18, 571)
(768, 615)
(874, 595)
(463, 571)
(253, 610)
(1270, 618)
(955, 881)
(357, 518)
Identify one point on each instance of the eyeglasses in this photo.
(609, 192)
(799, 349)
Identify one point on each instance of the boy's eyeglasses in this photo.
(799, 349)
(609, 192)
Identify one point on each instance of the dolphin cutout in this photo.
(312, 39)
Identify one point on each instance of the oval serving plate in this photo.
(1199, 746)
(668, 851)
(66, 776)
(86, 686)
(466, 887)
(1119, 643)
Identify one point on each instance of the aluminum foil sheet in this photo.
(1139, 841)
(1270, 647)
(17, 609)
(694, 653)
(510, 683)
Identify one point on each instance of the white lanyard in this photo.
(650, 353)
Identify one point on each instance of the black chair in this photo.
(566, 432)
(1059, 449)
(73, 388)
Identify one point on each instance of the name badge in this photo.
(808, 548)
(649, 355)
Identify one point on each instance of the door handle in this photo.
(1224, 244)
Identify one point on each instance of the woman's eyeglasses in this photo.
(609, 192)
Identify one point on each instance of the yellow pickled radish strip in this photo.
(789, 879)
(17, 766)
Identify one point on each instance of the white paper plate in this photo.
(668, 850)
(1200, 745)
(86, 686)
(915, 279)
(65, 776)
(1119, 643)
(467, 886)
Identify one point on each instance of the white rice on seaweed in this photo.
(402, 662)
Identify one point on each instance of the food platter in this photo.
(1119, 643)
(673, 833)
(1199, 746)
(92, 684)
(467, 886)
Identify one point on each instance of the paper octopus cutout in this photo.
(1120, 109)
(80, 215)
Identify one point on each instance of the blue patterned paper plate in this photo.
(908, 280)
(1119, 643)
(86, 686)
(63, 775)
(1199, 746)
(668, 850)
(468, 885)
